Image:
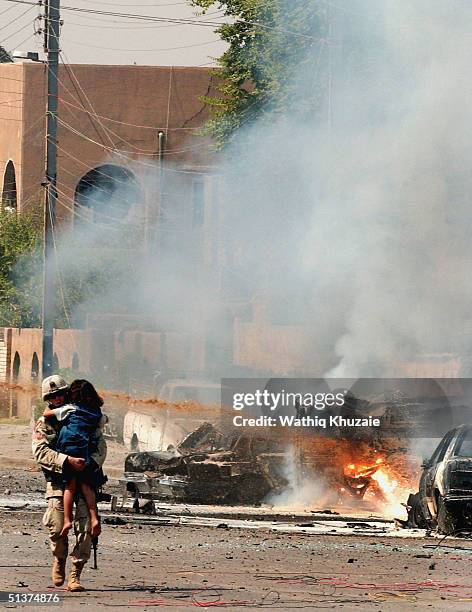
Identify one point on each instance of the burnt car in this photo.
(444, 499)
(207, 467)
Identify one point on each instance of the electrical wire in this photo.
(75, 84)
(113, 149)
(132, 16)
(18, 17)
(106, 130)
(188, 21)
(115, 27)
(209, 42)
(93, 20)
(7, 9)
(76, 213)
(18, 45)
(136, 5)
(87, 166)
(26, 25)
(72, 74)
(148, 127)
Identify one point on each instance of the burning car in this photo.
(444, 499)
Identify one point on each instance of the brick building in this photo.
(117, 125)
(109, 115)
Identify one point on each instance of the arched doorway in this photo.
(16, 366)
(34, 367)
(9, 188)
(106, 194)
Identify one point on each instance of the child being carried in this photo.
(79, 421)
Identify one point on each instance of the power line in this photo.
(17, 17)
(209, 42)
(19, 45)
(70, 73)
(92, 21)
(7, 9)
(87, 166)
(137, 5)
(106, 130)
(26, 25)
(131, 16)
(108, 148)
(135, 125)
(178, 20)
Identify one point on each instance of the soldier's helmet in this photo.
(52, 385)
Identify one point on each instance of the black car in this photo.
(444, 499)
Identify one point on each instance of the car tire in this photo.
(447, 522)
(416, 518)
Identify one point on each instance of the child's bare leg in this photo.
(69, 494)
(91, 502)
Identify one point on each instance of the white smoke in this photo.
(301, 491)
(354, 225)
(368, 214)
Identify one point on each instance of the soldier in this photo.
(55, 393)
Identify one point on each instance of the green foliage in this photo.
(38, 409)
(20, 271)
(21, 275)
(274, 62)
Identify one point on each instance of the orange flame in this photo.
(388, 495)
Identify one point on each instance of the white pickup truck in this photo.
(154, 428)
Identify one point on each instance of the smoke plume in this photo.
(354, 224)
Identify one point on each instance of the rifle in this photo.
(94, 546)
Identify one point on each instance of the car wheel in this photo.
(447, 522)
(134, 445)
(416, 517)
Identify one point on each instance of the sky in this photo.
(104, 39)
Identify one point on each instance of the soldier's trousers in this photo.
(53, 519)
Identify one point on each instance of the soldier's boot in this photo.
(73, 583)
(59, 571)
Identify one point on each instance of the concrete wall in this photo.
(277, 349)
(94, 351)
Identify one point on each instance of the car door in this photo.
(428, 478)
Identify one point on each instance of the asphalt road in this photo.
(181, 566)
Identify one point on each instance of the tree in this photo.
(20, 271)
(273, 63)
(21, 280)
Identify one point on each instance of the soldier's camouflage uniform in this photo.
(51, 461)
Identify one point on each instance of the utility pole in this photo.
(51, 47)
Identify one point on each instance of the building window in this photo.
(16, 366)
(9, 188)
(106, 194)
(35, 367)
